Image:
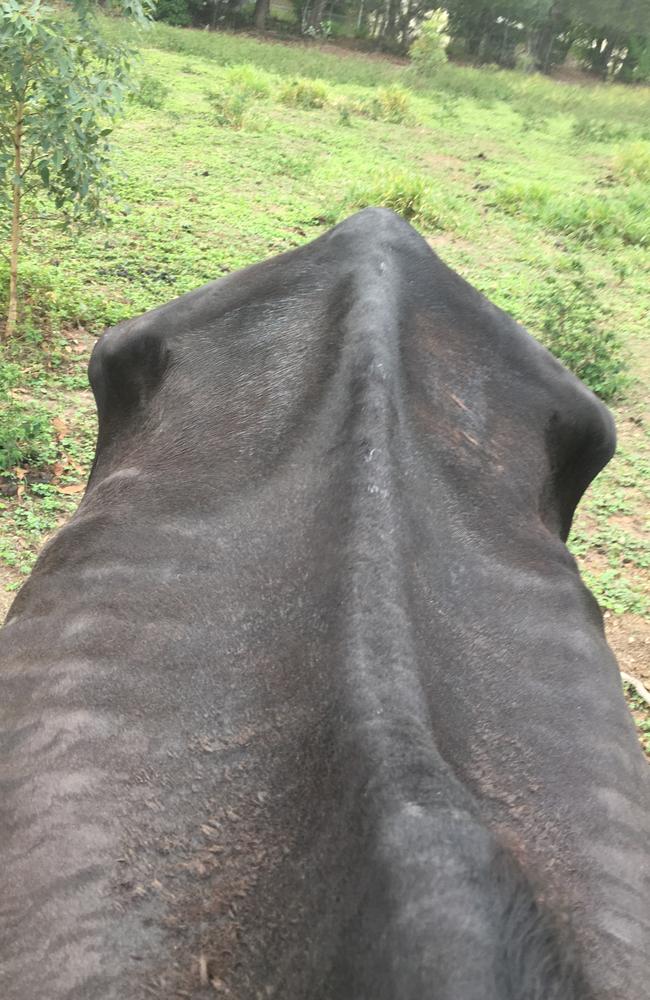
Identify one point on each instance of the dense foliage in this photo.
(61, 84)
(610, 39)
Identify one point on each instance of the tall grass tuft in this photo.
(390, 104)
(598, 218)
(305, 94)
(410, 195)
(632, 163)
(249, 80)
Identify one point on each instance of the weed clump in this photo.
(229, 107)
(403, 193)
(151, 93)
(573, 325)
(26, 434)
(243, 85)
(390, 104)
(306, 94)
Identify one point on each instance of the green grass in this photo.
(641, 715)
(235, 150)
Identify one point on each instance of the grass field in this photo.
(536, 191)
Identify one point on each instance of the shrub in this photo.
(345, 114)
(151, 93)
(176, 12)
(573, 325)
(305, 94)
(632, 162)
(26, 434)
(428, 51)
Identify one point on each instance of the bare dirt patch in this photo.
(444, 240)
(8, 578)
(629, 637)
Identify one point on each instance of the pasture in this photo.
(534, 190)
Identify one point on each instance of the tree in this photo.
(612, 39)
(631, 16)
(261, 13)
(428, 50)
(61, 86)
(609, 33)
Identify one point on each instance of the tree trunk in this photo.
(629, 63)
(544, 38)
(316, 14)
(598, 57)
(474, 39)
(12, 312)
(403, 25)
(360, 17)
(391, 26)
(261, 13)
(504, 43)
(605, 56)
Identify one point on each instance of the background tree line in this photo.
(610, 38)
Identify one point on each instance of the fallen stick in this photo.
(638, 686)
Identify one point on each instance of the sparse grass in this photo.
(641, 715)
(597, 130)
(510, 176)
